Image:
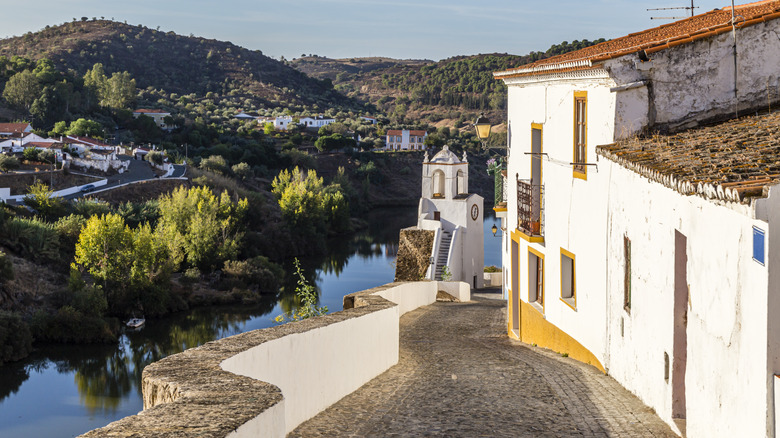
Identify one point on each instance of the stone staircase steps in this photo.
(444, 250)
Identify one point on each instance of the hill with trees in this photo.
(172, 69)
(453, 89)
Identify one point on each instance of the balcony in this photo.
(500, 190)
(530, 209)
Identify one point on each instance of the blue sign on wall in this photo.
(758, 245)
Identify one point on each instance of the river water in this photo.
(63, 391)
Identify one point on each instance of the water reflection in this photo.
(68, 390)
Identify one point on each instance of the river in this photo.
(63, 391)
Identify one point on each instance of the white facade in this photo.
(698, 343)
(405, 140)
(16, 145)
(447, 208)
(316, 122)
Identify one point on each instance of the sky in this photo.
(403, 29)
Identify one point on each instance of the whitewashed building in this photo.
(447, 207)
(316, 122)
(405, 140)
(652, 259)
(14, 129)
(157, 115)
(20, 141)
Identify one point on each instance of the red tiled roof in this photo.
(653, 40)
(731, 161)
(45, 144)
(13, 127)
(399, 132)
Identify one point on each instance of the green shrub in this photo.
(492, 268)
(6, 268)
(69, 325)
(8, 162)
(91, 207)
(257, 273)
(15, 338)
(31, 238)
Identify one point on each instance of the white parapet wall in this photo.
(267, 382)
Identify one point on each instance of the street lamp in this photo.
(482, 125)
(494, 229)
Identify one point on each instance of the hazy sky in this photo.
(432, 29)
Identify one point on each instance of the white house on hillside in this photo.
(316, 122)
(14, 129)
(19, 142)
(652, 259)
(280, 123)
(405, 140)
(157, 114)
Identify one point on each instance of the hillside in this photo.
(176, 64)
(320, 67)
(447, 92)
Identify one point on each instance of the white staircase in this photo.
(444, 250)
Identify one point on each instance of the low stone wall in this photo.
(266, 382)
(414, 252)
(493, 279)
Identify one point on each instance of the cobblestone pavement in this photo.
(459, 375)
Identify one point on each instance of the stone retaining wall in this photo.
(414, 252)
(266, 382)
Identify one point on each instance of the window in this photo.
(536, 278)
(758, 245)
(627, 273)
(580, 134)
(568, 279)
(461, 182)
(438, 184)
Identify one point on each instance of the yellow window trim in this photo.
(530, 239)
(583, 175)
(540, 127)
(544, 269)
(573, 280)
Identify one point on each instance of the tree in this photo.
(119, 91)
(105, 248)
(201, 228)
(268, 128)
(307, 205)
(242, 170)
(22, 89)
(85, 127)
(216, 164)
(8, 162)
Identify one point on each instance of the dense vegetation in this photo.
(162, 63)
(454, 88)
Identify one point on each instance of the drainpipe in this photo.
(734, 33)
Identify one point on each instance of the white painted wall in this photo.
(694, 82)
(726, 375)
(317, 368)
(574, 209)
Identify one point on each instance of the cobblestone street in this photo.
(459, 375)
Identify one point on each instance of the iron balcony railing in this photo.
(500, 188)
(530, 208)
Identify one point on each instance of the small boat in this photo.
(135, 323)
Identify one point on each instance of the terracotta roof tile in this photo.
(731, 161)
(652, 40)
(13, 127)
